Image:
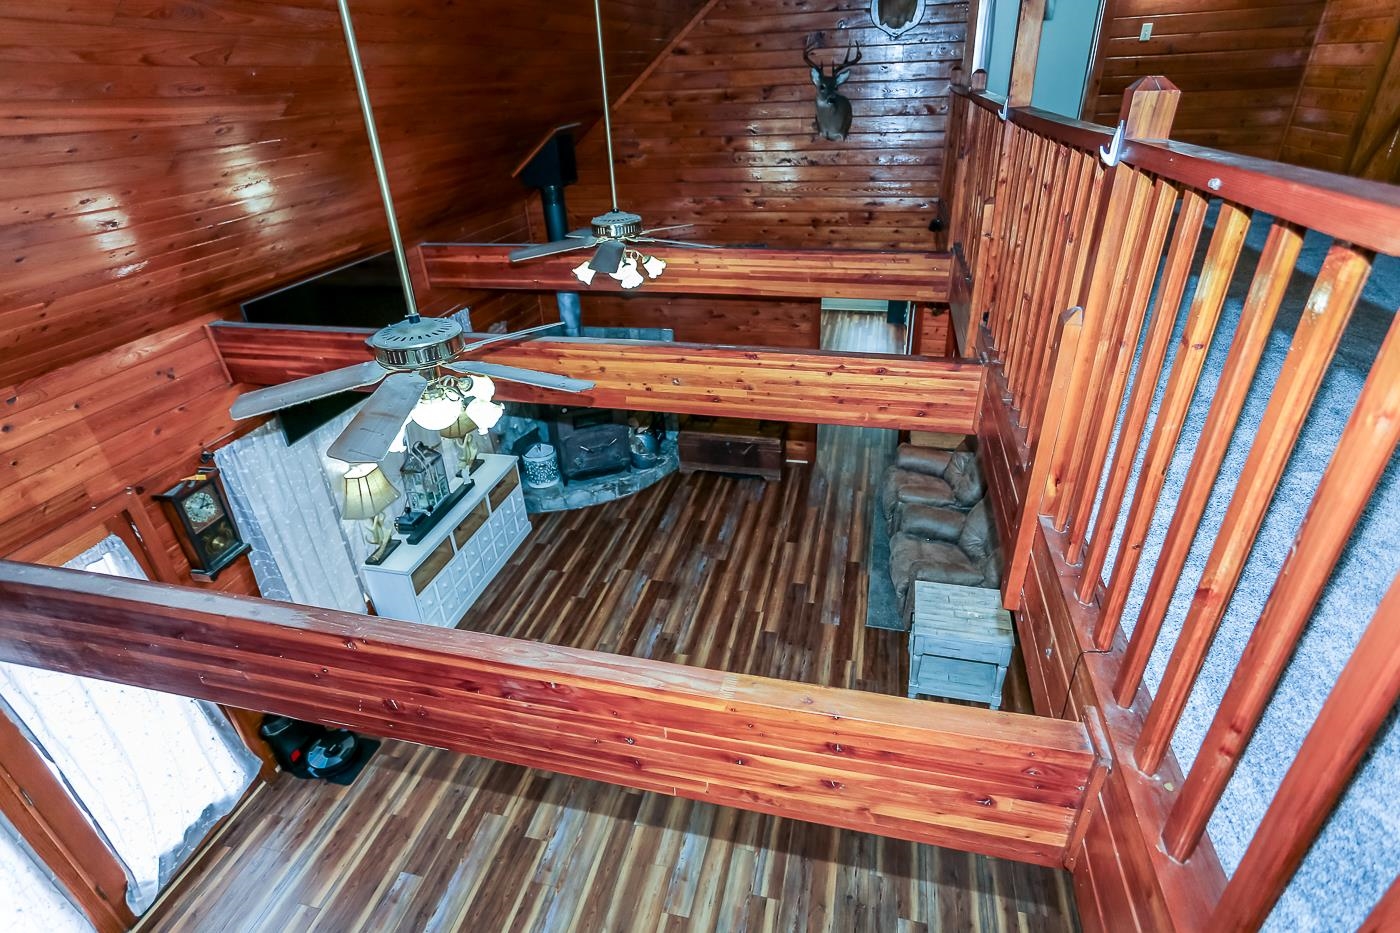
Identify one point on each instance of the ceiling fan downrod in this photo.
(405, 280)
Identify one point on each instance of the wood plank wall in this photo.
(135, 416)
(1340, 90)
(1239, 64)
(720, 133)
(717, 319)
(165, 160)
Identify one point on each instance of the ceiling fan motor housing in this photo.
(616, 224)
(417, 343)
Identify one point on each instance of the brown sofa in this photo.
(941, 530)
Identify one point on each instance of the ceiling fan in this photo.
(408, 354)
(614, 231)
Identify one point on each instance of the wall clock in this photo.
(198, 510)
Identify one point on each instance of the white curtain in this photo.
(284, 504)
(152, 770)
(31, 898)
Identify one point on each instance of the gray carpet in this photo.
(1358, 853)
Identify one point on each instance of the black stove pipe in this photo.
(556, 226)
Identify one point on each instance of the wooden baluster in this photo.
(1077, 248)
(1052, 192)
(1386, 914)
(1122, 338)
(1041, 186)
(1065, 346)
(1012, 213)
(1149, 105)
(990, 262)
(1359, 702)
(1368, 441)
(1029, 26)
(1256, 320)
(1219, 267)
(1063, 192)
(1185, 236)
(1319, 331)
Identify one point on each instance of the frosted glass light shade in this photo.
(484, 413)
(435, 410)
(584, 273)
(365, 492)
(483, 388)
(654, 266)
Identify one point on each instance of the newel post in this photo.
(1149, 106)
(1026, 53)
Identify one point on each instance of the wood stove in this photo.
(590, 442)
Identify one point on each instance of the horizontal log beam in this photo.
(767, 273)
(997, 783)
(861, 389)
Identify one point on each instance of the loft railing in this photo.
(1051, 214)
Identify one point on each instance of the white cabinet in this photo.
(436, 580)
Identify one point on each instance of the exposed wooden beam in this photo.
(870, 390)
(772, 273)
(1002, 784)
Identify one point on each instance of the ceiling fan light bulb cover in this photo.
(584, 273)
(436, 411)
(483, 388)
(654, 266)
(484, 413)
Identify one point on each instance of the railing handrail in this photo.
(1356, 210)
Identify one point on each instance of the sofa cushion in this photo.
(927, 460)
(929, 521)
(902, 486)
(965, 479)
(934, 560)
(977, 537)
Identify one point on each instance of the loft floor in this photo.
(730, 573)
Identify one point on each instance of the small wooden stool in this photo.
(959, 644)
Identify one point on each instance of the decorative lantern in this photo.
(424, 479)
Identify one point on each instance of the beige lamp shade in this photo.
(463, 426)
(367, 492)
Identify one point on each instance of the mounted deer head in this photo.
(833, 109)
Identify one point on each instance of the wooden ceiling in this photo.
(166, 159)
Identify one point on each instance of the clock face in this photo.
(201, 508)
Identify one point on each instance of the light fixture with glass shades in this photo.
(446, 398)
(365, 492)
(628, 272)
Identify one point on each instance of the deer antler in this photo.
(807, 55)
(847, 62)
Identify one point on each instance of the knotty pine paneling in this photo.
(1239, 64)
(713, 319)
(1341, 86)
(165, 160)
(720, 134)
(137, 416)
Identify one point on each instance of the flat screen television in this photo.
(362, 294)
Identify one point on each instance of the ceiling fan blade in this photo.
(608, 258)
(659, 229)
(528, 377)
(513, 335)
(582, 233)
(687, 245)
(368, 436)
(274, 398)
(549, 249)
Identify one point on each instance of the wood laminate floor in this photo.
(731, 573)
